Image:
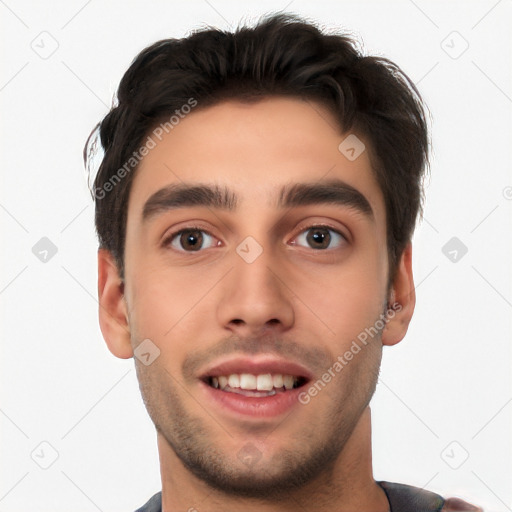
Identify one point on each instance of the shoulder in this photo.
(458, 505)
(153, 505)
(403, 498)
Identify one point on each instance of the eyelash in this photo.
(169, 240)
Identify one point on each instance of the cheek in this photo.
(165, 303)
(348, 298)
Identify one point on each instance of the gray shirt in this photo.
(402, 498)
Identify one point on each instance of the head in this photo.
(254, 208)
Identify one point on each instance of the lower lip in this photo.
(258, 407)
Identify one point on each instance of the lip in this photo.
(244, 407)
(256, 366)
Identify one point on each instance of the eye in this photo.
(320, 237)
(191, 240)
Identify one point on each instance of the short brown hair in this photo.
(281, 55)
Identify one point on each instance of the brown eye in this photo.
(191, 240)
(318, 238)
(321, 237)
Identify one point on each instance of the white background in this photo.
(448, 381)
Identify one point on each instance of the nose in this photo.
(256, 297)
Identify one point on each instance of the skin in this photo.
(198, 304)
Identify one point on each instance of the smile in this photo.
(247, 384)
(260, 387)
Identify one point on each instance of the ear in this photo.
(402, 299)
(113, 311)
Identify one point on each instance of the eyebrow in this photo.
(182, 195)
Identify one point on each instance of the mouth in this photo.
(256, 386)
(259, 387)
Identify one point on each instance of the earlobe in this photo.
(402, 300)
(112, 307)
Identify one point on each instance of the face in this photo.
(252, 290)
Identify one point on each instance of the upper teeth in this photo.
(263, 382)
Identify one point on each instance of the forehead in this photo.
(253, 149)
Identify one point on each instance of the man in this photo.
(255, 207)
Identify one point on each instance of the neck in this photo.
(348, 486)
